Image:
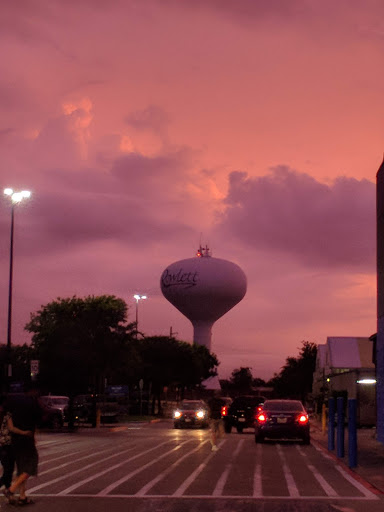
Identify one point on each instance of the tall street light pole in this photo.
(138, 297)
(16, 198)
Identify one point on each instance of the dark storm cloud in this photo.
(293, 214)
(134, 203)
(61, 221)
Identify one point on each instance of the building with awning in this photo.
(345, 368)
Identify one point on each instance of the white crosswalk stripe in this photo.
(179, 464)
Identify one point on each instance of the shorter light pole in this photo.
(16, 197)
(138, 297)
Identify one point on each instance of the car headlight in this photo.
(177, 414)
(200, 414)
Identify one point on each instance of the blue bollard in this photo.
(331, 424)
(340, 427)
(352, 432)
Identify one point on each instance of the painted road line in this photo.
(292, 489)
(367, 493)
(226, 497)
(218, 490)
(66, 456)
(110, 488)
(327, 488)
(162, 475)
(362, 487)
(82, 469)
(76, 460)
(257, 484)
(184, 486)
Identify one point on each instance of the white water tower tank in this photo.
(203, 289)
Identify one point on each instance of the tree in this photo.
(242, 380)
(295, 378)
(257, 382)
(81, 342)
(167, 361)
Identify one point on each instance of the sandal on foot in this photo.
(10, 496)
(25, 501)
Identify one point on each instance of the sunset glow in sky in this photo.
(143, 127)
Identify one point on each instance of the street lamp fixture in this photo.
(138, 297)
(16, 198)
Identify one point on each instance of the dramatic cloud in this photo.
(291, 213)
(126, 119)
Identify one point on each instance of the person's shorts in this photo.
(216, 425)
(26, 456)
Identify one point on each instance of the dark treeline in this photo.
(85, 344)
(293, 381)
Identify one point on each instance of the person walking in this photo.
(215, 405)
(6, 449)
(26, 415)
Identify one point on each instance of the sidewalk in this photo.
(370, 454)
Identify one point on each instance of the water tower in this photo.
(203, 289)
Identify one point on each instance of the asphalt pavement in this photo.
(148, 465)
(370, 454)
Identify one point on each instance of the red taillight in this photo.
(257, 411)
(302, 419)
(261, 418)
(224, 410)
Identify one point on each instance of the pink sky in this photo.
(142, 127)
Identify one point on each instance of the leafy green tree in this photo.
(295, 378)
(167, 361)
(257, 382)
(242, 380)
(81, 342)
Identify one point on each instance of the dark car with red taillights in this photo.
(241, 412)
(282, 419)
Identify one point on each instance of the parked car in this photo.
(282, 419)
(86, 406)
(55, 410)
(191, 413)
(241, 412)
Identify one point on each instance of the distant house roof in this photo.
(349, 352)
(211, 383)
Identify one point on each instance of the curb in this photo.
(368, 485)
(352, 472)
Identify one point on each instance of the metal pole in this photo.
(137, 318)
(10, 287)
(352, 432)
(323, 418)
(331, 424)
(340, 426)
